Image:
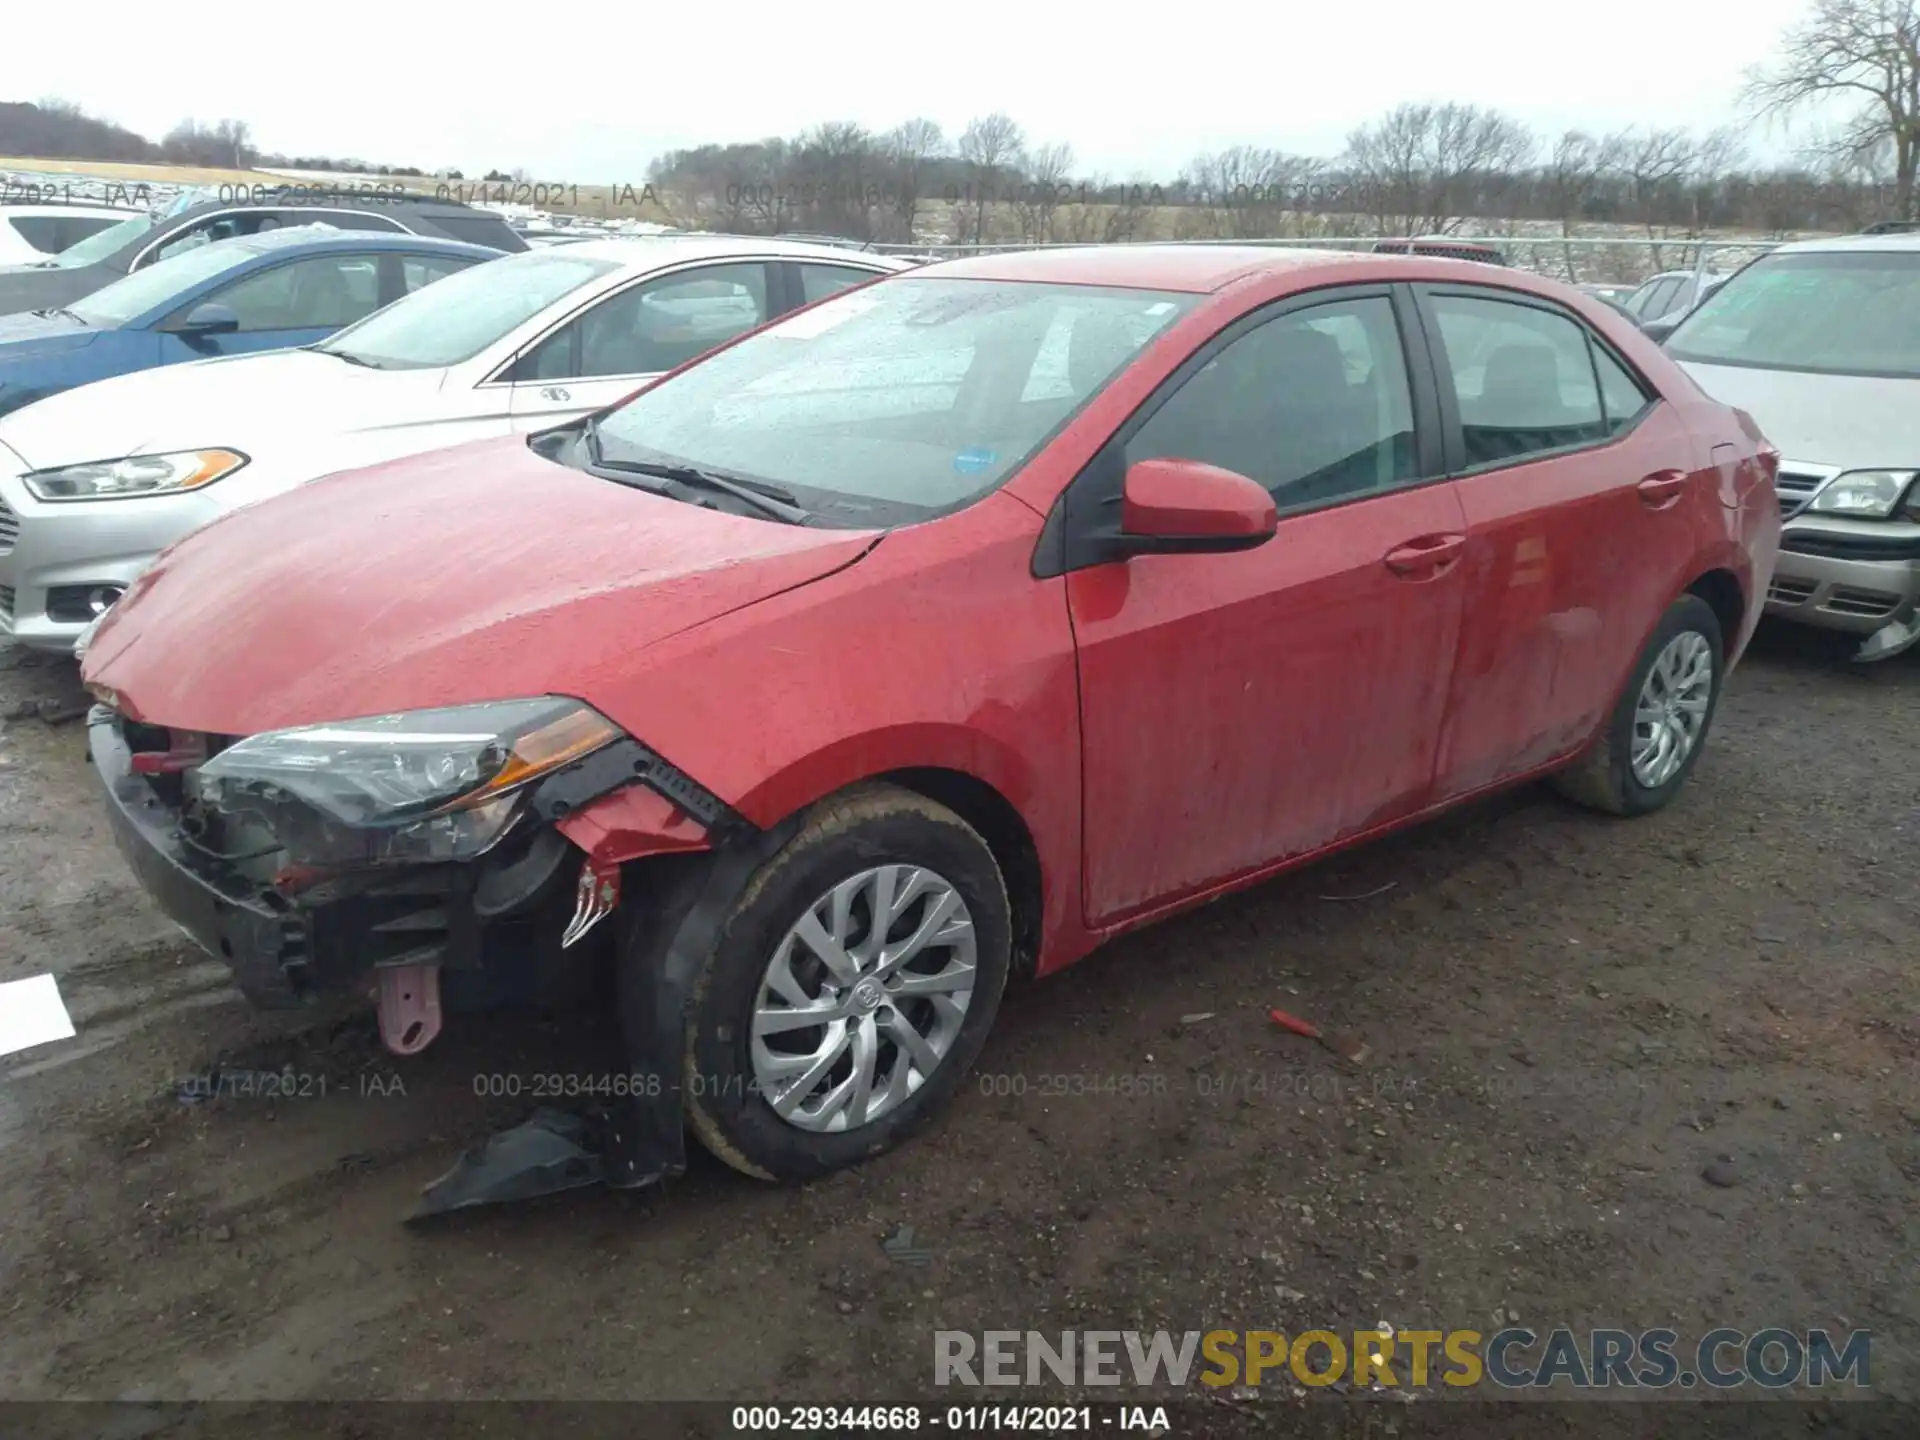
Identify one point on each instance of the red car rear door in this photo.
(1573, 478)
(1238, 709)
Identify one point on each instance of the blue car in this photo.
(272, 290)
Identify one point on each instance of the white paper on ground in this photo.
(32, 1013)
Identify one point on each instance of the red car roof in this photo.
(1195, 268)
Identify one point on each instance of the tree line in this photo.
(1419, 169)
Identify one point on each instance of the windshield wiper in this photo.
(767, 499)
(347, 356)
(55, 311)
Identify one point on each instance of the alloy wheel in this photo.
(863, 998)
(1671, 713)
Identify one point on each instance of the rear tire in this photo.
(752, 1093)
(1626, 771)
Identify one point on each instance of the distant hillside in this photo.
(61, 130)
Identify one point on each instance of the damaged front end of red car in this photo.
(476, 849)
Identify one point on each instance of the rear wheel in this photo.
(1660, 723)
(850, 989)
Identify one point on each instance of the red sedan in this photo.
(933, 634)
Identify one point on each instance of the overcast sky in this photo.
(590, 91)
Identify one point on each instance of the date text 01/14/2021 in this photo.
(542, 194)
(956, 1419)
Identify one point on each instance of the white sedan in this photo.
(98, 480)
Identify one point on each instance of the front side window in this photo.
(458, 317)
(327, 291)
(653, 327)
(1313, 404)
(192, 237)
(899, 401)
(1848, 312)
(1523, 377)
(153, 286)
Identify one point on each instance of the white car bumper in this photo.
(59, 561)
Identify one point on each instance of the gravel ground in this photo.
(1572, 1020)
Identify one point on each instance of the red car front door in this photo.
(1574, 481)
(1239, 709)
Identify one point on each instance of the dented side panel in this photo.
(1568, 569)
(938, 650)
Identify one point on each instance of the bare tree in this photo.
(1716, 162)
(832, 178)
(1867, 51)
(990, 146)
(1248, 192)
(911, 147)
(1048, 186)
(1424, 168)
(1656, 166)
(1572, 176)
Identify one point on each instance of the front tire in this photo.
(850, 989)
(1659, 724)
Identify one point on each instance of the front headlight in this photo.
(1864, 494)
(134, 475)
(424, 785)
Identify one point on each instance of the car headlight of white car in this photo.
(1863, 494)
(85, 637)
(134, 475)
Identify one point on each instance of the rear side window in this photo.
(419, 271)
(1523, 377)
(817, 282)
(1659, 298)
(477, 229)
(1621, 396)
(1312, 404)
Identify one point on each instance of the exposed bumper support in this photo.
(668, 928)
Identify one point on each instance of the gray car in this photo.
(1670, 295)
(1820, 342)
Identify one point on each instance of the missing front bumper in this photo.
(489, 930)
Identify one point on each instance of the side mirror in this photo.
(1186, 507)
(1658, 330)
(212, 318)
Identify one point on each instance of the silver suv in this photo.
(1820, 342)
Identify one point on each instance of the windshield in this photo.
(102, 243)
(159, 283)
(897, 402)
(456, 318)
(1838, 313)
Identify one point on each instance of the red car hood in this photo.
(482, 572)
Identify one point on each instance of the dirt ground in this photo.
(1571, 1019)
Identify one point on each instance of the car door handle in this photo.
(1425, 556)
(1662, 488)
